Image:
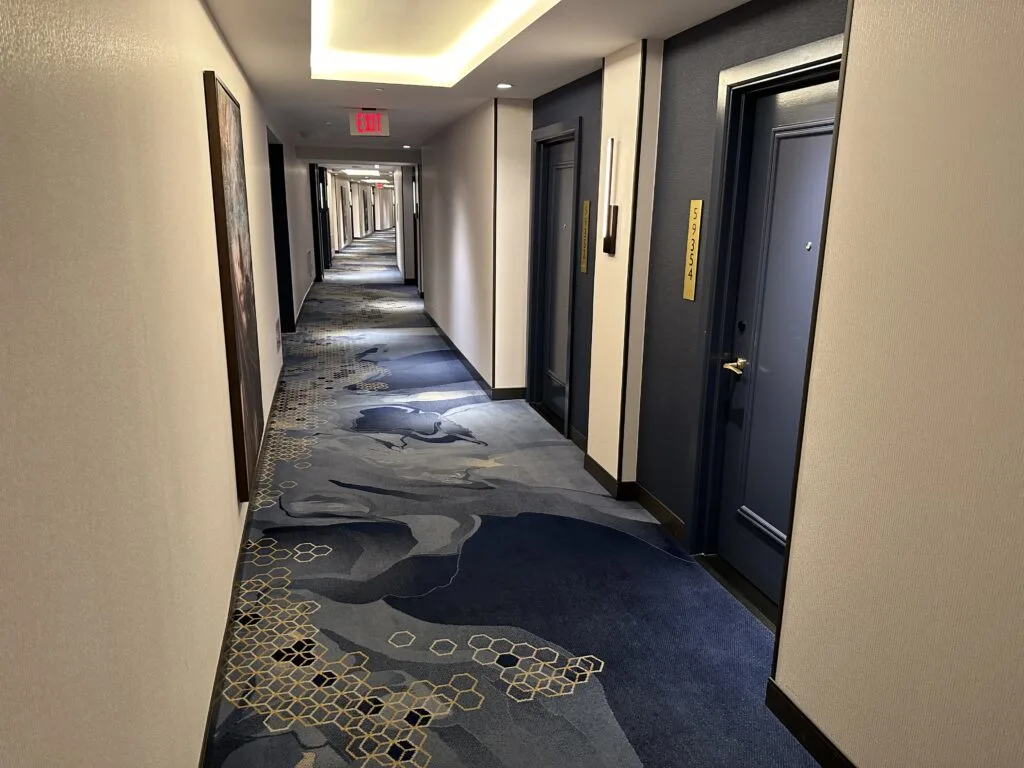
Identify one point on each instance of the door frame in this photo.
(282, 237)
(314, 207)
(738, 89)
(543, 139)
(327, 252)
(417, 226)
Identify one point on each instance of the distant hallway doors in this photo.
(767, 338)
(554, 246)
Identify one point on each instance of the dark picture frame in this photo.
(238, 297)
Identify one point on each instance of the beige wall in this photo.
(512, 240)
(362, 198)
(400, 222)
(408, 222)
(300, 227)
(121, 526)
(338, 211)
(621, 104)
(379, 219)
(384, 201)
(476, 236)
(347, 213)
(332, 212)
(646, 168)
(904, 612)
(357, 209)
(458, 234)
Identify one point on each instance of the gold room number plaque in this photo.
(692, 250)
(586, 236)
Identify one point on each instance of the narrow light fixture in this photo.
(406, 146)
(611, 222)
(504, 86)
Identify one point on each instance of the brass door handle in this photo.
(737, 366)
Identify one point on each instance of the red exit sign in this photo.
(369, 122)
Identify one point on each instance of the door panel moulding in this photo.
(806, 65)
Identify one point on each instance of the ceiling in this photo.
(436, 44)
(386, 173)
(428, 27)
(272, 41)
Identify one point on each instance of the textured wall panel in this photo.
(121, 524)
(904, 613)
(300, 228)
(619, 109)
(512, 240)
(458, 234)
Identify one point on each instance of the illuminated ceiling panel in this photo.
(413, 42)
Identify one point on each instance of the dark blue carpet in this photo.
(431, 579)
(657, 620)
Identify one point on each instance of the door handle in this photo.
(737, 366)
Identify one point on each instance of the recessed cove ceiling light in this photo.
(504, 86)
(360, 172)
(466, 34)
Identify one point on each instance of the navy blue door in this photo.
(559, 195)
(792, 145)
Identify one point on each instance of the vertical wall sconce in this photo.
(611, 222)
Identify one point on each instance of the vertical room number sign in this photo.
(692, 250)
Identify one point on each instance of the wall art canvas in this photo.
(231, 210)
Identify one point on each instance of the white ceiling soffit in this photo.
(272, 41)
(435, 43)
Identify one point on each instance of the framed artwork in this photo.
(231, 212)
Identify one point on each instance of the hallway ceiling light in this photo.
(361, 172)
(406, 146)
(465, 34)
(504, 86)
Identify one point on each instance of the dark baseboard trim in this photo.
(632, 491)
(676, 528)
(508, 393)
(491, 392)
(412, 281)
(548, 415)
(579, 438)
(458, 353)
(753, 599)
(617, 489)
(225, 643)
(807, 733)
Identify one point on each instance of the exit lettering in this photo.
(368, 122)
